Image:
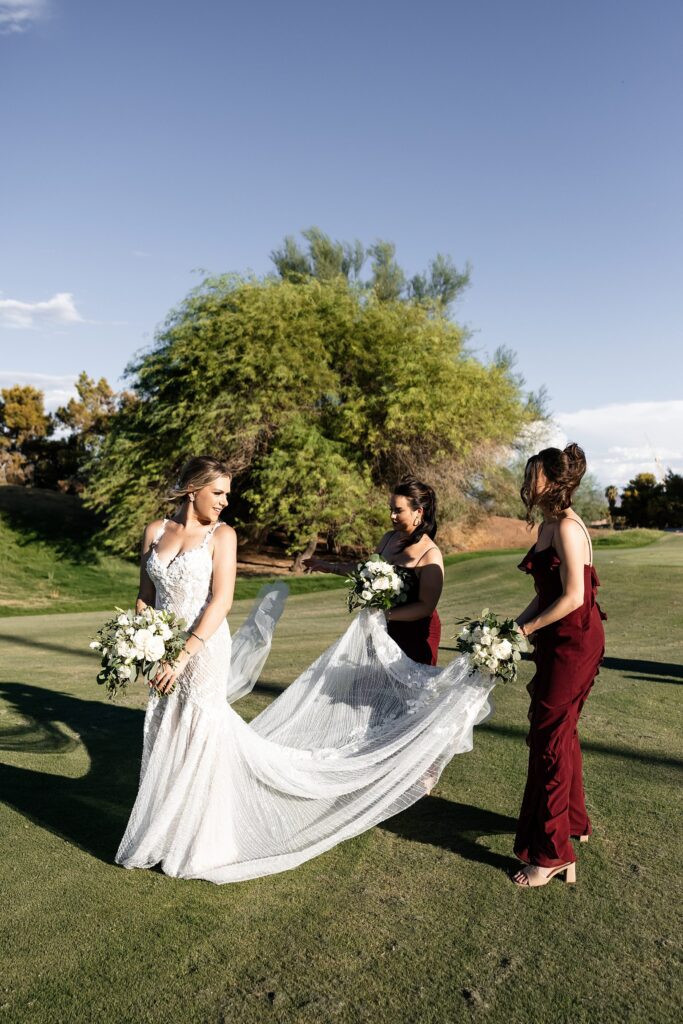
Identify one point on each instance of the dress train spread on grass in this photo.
(358, 737)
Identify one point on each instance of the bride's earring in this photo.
(191, 497)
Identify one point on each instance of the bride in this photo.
(345, 746)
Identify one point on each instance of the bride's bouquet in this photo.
(133, 645)
(377, 583)
(494, 646)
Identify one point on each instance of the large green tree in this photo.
(318, 393)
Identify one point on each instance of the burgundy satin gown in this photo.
(567, 655)
(420, 638)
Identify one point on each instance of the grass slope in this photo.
(413, 922)
(51, 561)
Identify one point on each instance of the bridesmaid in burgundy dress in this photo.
(415, 625)
(566, 623)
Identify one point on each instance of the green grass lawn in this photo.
(414, 921)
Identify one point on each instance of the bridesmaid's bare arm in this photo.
(341, 568)
(336, 568)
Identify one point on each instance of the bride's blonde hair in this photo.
(197, 472)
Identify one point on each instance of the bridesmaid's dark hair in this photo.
(419, 495)
(197, 472)
(563, 471)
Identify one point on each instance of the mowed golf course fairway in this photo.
(414, 921)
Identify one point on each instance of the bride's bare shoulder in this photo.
(225, 539)
(150, 534)
(152, 529)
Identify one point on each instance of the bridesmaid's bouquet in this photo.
(494, 646)
(135, 644)
(377, 583)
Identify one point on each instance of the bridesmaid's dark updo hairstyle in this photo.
(563, 471)
(197, 472)
(419, 495)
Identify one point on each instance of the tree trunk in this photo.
(298, 564)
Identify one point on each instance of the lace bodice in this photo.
(183, 586)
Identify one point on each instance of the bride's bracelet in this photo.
(200, 638)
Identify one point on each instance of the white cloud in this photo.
(60, 310)
(57, 388)
(621, 440)
(20, 15)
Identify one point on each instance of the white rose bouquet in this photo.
(133, 645)
(493, 646)
(376, 583)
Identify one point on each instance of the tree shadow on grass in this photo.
(455, 827)
(90, 811)
(646, 671)
(73, 652)
(642, 758)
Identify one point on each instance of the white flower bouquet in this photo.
(494, 646)
(133, 645)
(377, 583)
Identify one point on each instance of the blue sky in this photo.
(540, 142)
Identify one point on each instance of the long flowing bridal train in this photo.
(346, 745)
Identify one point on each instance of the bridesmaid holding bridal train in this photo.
(565, 622)
(415, 626)
(361, 734)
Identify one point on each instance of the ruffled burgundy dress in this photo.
(420, 638)
(567, 655)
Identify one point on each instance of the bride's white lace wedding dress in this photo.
(356, 738)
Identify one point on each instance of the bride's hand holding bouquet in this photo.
(150, 643)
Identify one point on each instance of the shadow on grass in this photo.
(647, 671)
(42, 645)
(455, 827)
(90, 811)
(269, 689)
(643, 757)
